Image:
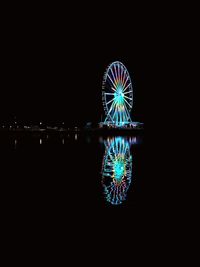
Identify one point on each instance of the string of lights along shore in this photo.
(117, 98)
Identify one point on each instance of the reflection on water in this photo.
(112, 179)
(15, 143)
(117, 169)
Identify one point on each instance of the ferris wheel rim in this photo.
(128, 100)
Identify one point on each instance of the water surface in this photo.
(56, 173)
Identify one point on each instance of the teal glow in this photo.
(116, 169)
(117, 95)
(119, 170)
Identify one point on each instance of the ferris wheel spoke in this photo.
(113, 76)
(127, 92)
(122, 149)
(124, 77)
(112, 81)
(118, 148)
(117, 79)
(128, 97)
(115, 150)
(126, 110)
(111, 157)
(110, 101)
(109, 94)
(127, 87)
(122, 72)
(121, 115)
(125, 113)
(125, 81)
(115, 112)
(118, 71)
(126, 149)
(114, 89)
(111, 107)
(127, 103)
(118, 115)
(112, 151)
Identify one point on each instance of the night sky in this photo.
(52, 66)
(53, 71)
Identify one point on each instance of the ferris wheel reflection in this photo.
(117, 169)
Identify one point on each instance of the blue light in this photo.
(116, 169)
(119, 170)
(117, 95)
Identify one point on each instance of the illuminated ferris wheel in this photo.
(116, 170)
(117, 94)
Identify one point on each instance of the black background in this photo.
(52, 70)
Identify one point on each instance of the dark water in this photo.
(53, 176)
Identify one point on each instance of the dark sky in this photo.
(53, 71)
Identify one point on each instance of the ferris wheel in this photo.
(117, 94)
(116, 170)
